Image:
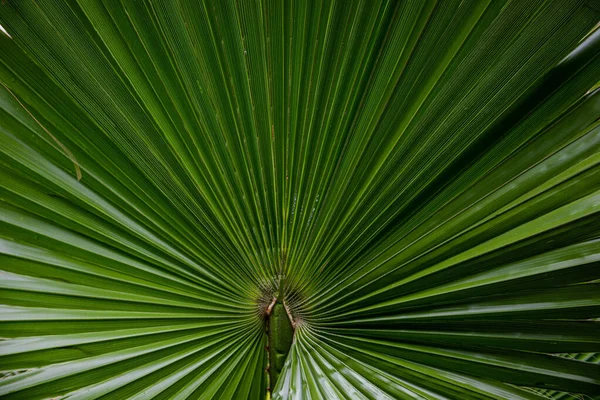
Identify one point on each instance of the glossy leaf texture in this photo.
(424, 174)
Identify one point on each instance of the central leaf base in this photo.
(281, 334)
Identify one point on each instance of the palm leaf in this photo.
(423, 176)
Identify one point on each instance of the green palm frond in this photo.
(414, 185)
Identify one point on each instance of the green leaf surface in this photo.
(424, 176)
